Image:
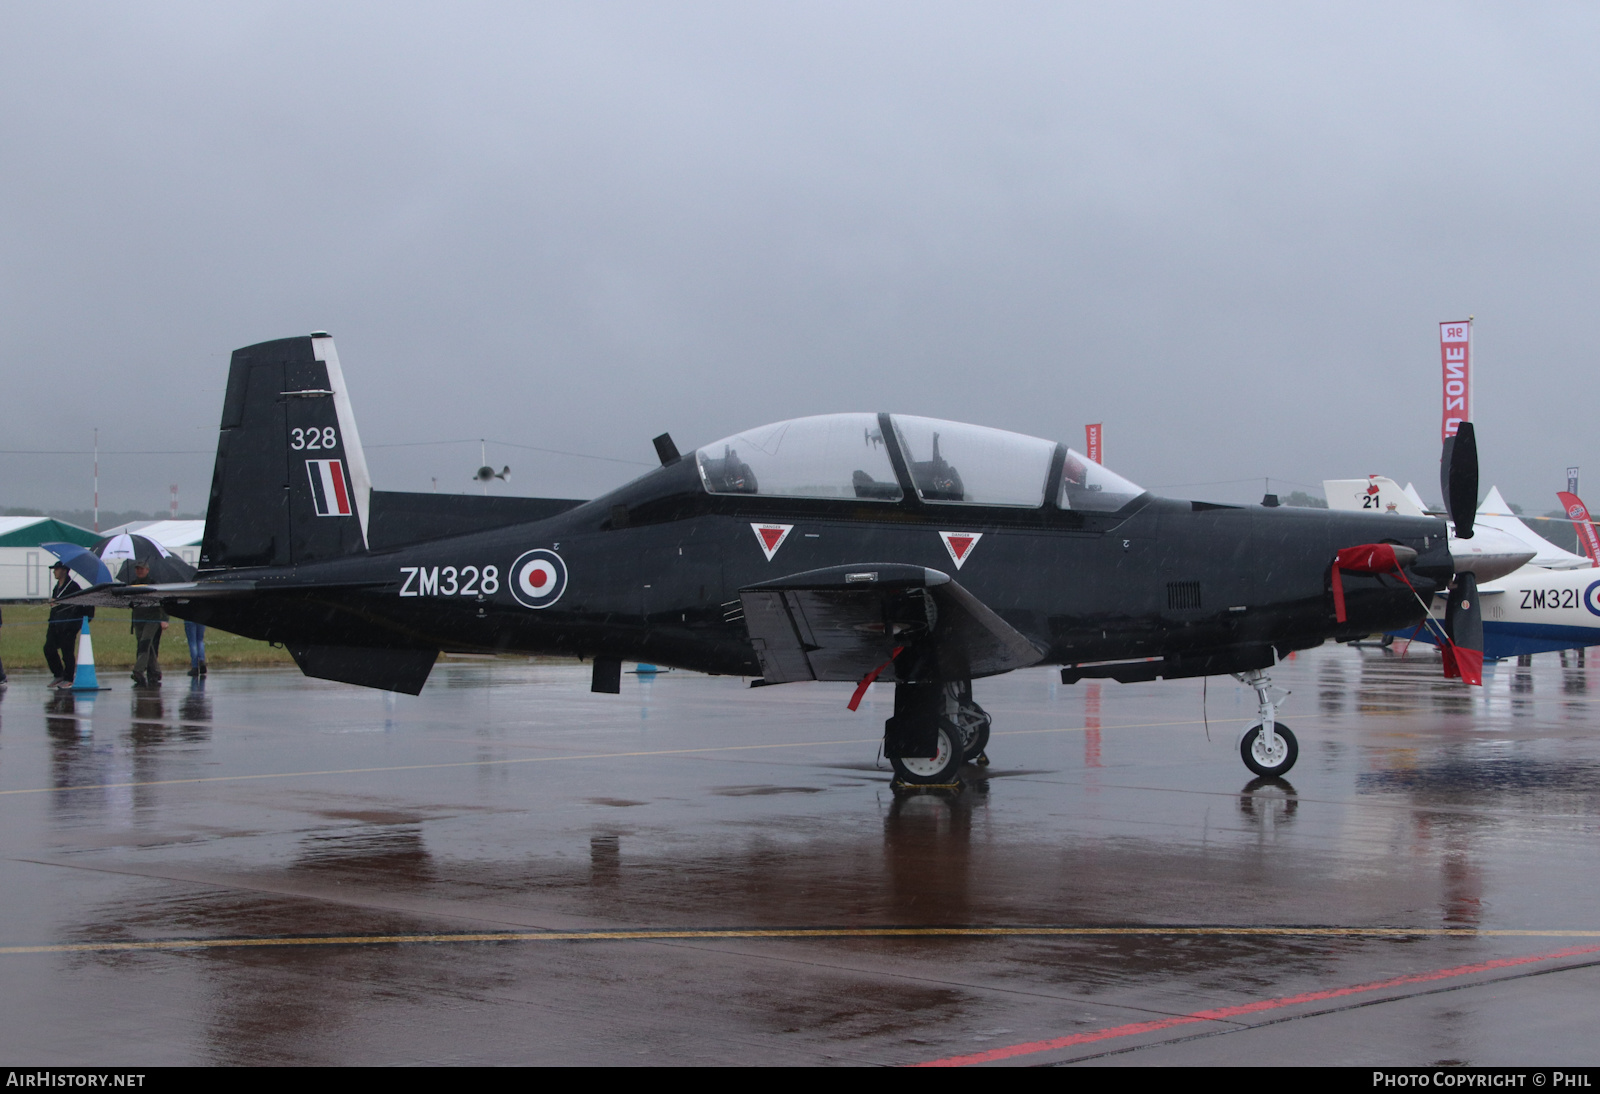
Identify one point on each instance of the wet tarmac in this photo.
(510, 870)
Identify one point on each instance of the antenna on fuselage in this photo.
(666, 449)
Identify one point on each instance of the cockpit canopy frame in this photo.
(896, 458)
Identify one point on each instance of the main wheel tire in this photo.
(1269, 762)
(939, 769)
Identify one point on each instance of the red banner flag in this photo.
(1092, 434)
(1578, 513)
(1455, 354)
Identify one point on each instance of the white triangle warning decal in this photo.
(771, 537)
(960, 545)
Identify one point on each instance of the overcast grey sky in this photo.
(1227, 231)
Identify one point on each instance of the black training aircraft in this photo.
(824, 548)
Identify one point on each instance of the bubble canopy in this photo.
(846, 456)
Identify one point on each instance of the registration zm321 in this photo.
(1551, 598)
(450, 581)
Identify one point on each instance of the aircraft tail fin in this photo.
(1374, 494)
(290, 483)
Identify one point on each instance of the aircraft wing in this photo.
(842, 622)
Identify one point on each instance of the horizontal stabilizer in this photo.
(140, 596)
(841, 622)
(147, 596)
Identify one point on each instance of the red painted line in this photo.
(1220, 1013)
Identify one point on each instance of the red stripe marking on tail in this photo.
(336, 473)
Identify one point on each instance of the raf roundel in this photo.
(538, 578)
(1591, 598)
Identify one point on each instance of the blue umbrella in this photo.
(82, 561)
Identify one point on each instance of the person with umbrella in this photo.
(138, 560)
(148, 623)
(61, 631)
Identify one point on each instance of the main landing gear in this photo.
(935, 729)
(1267, 748)
(970, 720)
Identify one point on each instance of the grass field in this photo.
(22, 642)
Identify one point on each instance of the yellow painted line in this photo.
(800, 933)
(523, 760)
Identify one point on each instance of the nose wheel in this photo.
(1269, 756)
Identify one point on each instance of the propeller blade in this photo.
(1458, 478)
(1463, 621)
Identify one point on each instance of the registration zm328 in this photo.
(449, 581)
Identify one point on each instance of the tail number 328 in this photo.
(314, 438)
(449, 581)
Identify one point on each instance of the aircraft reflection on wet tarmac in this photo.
(269, 869)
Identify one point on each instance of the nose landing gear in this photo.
(1268, 748)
